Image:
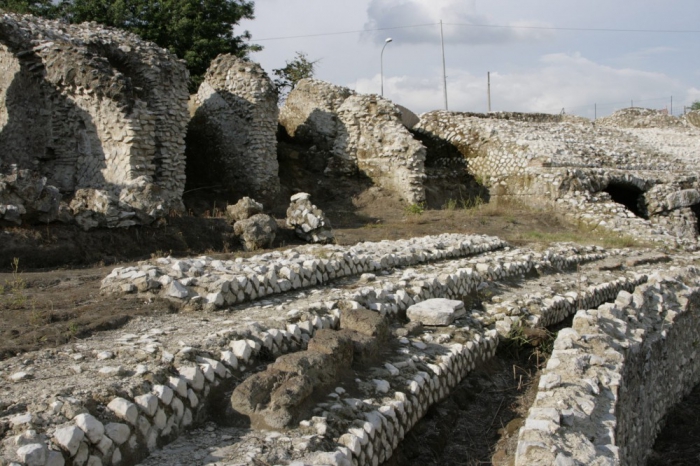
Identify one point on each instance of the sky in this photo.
(543, 55)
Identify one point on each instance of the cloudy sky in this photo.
(543, 55)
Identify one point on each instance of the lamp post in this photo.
(381, 62)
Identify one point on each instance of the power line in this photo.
(347, 32)
(553, 28)
(496, 26)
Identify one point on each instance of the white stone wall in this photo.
(613, 376)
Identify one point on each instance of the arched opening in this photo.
(448, 180)
(628, 195)
(696, 210)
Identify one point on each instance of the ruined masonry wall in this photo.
(309, 113)
(372, 138)
(235, 125)
(96, 111)
(357, 133)
(614, 375)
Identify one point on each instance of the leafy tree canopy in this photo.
(695, 105)
(297, 69)
(194, 30)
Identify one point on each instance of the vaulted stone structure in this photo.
(95, 117)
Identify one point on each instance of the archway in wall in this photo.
(448, 180)
(628, 195)
(696, 210)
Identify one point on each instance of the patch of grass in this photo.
(450, 204)
(415, 209)
(12, 292)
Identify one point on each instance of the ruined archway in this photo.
(629, 195)
(448, 179)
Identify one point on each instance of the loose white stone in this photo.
(33, 454)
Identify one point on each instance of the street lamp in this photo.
(381, 62)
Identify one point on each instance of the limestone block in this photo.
(437, 311)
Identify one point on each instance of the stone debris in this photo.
(256, 232)
(436, 311)
(243, 209)
(309, 222)
(92, 124)
(231, 138)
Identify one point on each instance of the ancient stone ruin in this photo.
(633, 172)
(359, 133)
(91, 125)
(231, 139)
(325, 354)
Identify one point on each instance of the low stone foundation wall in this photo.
(614, 375)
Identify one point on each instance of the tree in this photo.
(194, 30)
(297, 69)
(44, 8)
(695, 105)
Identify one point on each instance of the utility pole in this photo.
(444, 76)
(488, 80)
(595, 112)
(671, 105)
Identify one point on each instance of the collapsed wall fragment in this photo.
(357, 134)
(96, 116)
(231, 139)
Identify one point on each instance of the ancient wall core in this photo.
(231, 139)
(359, 133)
(98, 113)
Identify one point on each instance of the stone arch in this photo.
(96, 112)
(629, 195)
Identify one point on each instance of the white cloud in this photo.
(557, 81)
(462, 23)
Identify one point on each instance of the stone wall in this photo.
(358, 133)
(98, 113)
(231, 139)
(576, 165)
(613, 376)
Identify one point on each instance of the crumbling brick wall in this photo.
(231, 139)
(96, 112)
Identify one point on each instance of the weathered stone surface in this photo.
(243, 209)
(256, 232)
(438, 311)
(309, 222)
(231, 138)
(97, 116)
(359, 133)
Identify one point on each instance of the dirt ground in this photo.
(50, 276)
